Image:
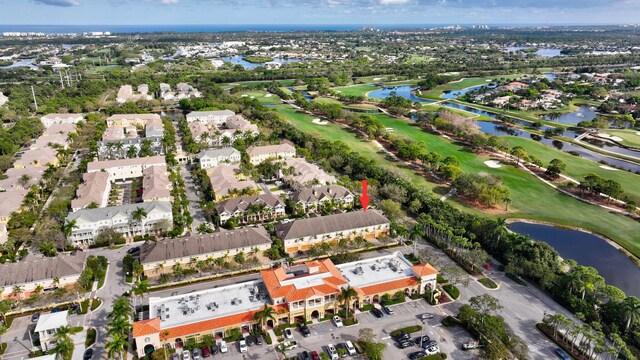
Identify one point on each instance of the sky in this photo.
(370, 12)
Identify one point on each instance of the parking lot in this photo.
(406, 314)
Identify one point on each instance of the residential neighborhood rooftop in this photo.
(37, 269)
(329, 224)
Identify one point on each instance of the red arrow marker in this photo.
(364, 199)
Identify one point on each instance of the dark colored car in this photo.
(206, 352)
(259, 340)
(214, 349)
(422, 339)
(404, 344)
(377, 313)
(402, 336)
(251, 340)
(417, 355)
(35, 317)
(304, 355)
(315, 356)
(88, 354)
(388, 310)
(304, 329)
(428, 344)
(74, 309)
(133, 250)
(562, 354)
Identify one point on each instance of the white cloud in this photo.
(393, 2)
(169, 2)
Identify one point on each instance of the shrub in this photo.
(441, 279)
(488, 283)
(450, 321)
(452, 290)
(408, 330)
(91, 337)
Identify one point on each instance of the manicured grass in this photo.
(452, 290)
(367, 149)
(416, 59)
(361, 107)
(437, 107)
(578, 167)
(286, 90)
(260, 96)
(488, 283)
(323, 100)
(406, 330)
(531, 198)
(356, 90)
(629, 137)
(91, 337)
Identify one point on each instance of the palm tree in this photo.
(140, 288)
(23, 180)
(139, 215)
(56, 280)
(265, 314)
(38, 289)
(119, 326)
(117, 346)
(631, 306)
(17, 290)
(64, 349)
(345, 296)
(68, 226)
(64, 333)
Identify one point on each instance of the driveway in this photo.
(194, 199)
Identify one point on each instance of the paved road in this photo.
(193, 198)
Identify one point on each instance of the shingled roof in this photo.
(244, 202)
(329, 224)
(40, 269)
(189, 246)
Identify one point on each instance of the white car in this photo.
(350, 348)
(242, 346)
(186, 355)
(432, 350)
(288, 334)
(332, 352)
(337, 321)
(223, 347)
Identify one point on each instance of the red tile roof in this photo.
(389, 286)
(424, 270)
(146, 327)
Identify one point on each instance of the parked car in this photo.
(304, 355)
(133, 250)
(425, 316)
(377, 313)
(175, 356)
(251, 340)
(332, 352)
(288, 345)
(417, 355)
(337, 321)
(259, 340)
(223, 347)
(341, 348)
(351, 350)
(288, 334)
(432, 350)
(186, 355)
(304, 329)
(404, 344)
(315, 355)
(387, 309)
(214, 349)
(422, 339)
(196, 354)
(88, 354)
(205, 351)
(402, 336)
(562, 354)
(35, 317)
(242, 346)
(470, 345)
(429, 343)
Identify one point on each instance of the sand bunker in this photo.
(608, 168)
(607, 136)
(319, 122)
(268, 95)
(245, 95)
(390, 129)
(494, 164)
(377, 79)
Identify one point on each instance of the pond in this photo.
(238, 60)
(542, 52)
(588, 250)
(583, 113)
(458, 93)
(22, 63)
(405, 91)
(613, 147)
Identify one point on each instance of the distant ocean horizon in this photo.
(192, 28)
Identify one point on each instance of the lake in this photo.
(583, 113)
(22, 63)
(588, 250)
(454, 94)
(542, 52)
(238, 60)
(405, 91)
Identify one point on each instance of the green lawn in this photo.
(323, 100)
(629, 137)
(365, 148)
(578, 167)
(532, 199)
(356, 90)
(288, 82)
(361, 106)
(463, 84)
(262, 96)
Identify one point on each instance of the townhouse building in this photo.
(313, 199)
(213, 157)
(258, 154)
(51, 119)
(249, 209)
